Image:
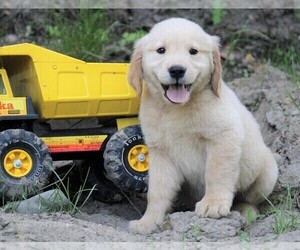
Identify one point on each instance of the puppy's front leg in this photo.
(222, 171)
(164, 182)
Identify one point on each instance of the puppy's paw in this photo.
(212, 208)
(142, 226)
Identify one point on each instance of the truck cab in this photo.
(13, 107)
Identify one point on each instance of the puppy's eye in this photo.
(161, 50)
(193, 51)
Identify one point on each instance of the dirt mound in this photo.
(275, 102)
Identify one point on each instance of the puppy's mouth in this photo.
(177, 93)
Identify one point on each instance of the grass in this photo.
(238, 42)
(285, 217)
(244, 240)
(128, 38)
(80, 197)
(218, 12)
(250, 216)
(287, 58)
(75, 201)
(285, 221)
(283, 55)
(83, 34)
(197, 230)
(90, 35)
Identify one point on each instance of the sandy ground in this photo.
(268, 95)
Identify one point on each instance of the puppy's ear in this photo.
(216, 77)
(135, 74)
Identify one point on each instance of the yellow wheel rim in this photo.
(17, 163)
(138, 158)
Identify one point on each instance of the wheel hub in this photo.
(138, 158)
(141, 157)
(17, 163)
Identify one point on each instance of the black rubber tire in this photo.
(12, 187)
(116, 163)
(104, 189)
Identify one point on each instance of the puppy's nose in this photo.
(177, 71)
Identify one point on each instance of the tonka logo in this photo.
(6, 106)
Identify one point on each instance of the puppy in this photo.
(201, 139)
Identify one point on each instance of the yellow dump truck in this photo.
(53, 106)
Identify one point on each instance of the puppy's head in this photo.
(176, 59)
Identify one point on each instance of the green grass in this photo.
(128, 38)
(76, 200)
(244, 240)
(238, 42)
(218, 12)
(80, 197)
(250, 216)
(197, 229)
(82, 33)
(90, 35)
(281, 54)
(285, 221)
(287, 58)
(284, 216)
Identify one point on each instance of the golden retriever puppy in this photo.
(201, 139)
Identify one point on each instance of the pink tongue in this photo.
(177, 94)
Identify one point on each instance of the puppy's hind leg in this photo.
(261, 188)
(164, 183)
(265, 182)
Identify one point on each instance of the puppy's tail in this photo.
(249, 211)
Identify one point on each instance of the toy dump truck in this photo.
(44, 95)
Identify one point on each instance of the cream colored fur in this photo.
(211, 146)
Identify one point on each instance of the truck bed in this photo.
(65, 87)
